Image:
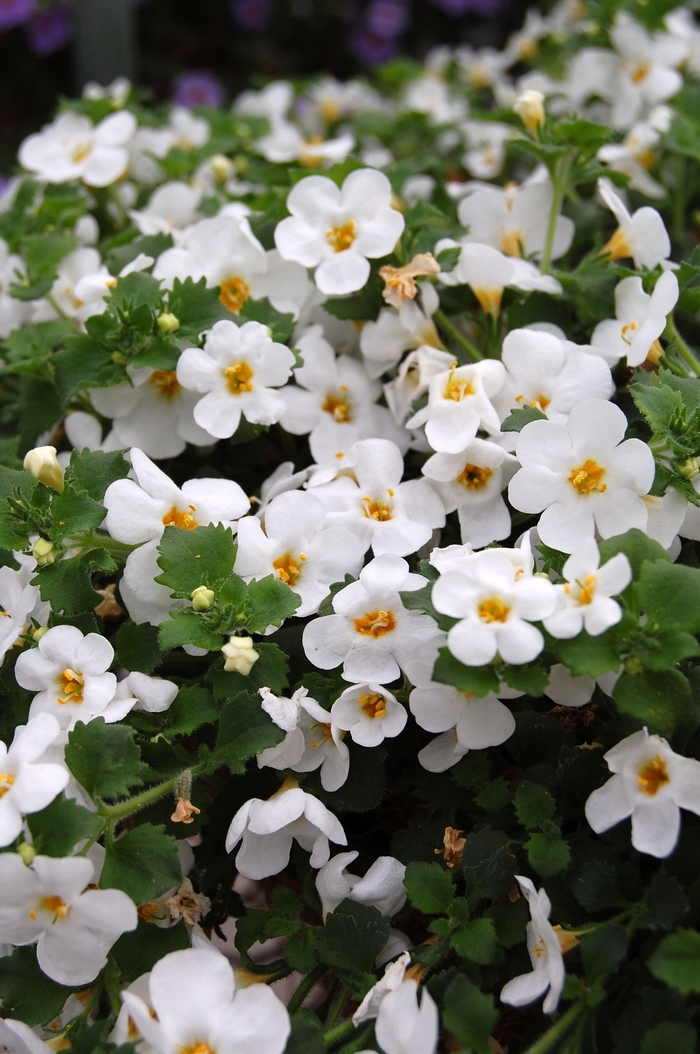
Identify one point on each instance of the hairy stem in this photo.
(305, 987)
(558, 1029)
(559, 180)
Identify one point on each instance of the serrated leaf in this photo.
(488, 863)
(677, 961)
(244, 730)
(67, 584)
(517, 419)
(477, 679)
(32, 345)
(430, 887)
(95, 470)
(591, 656)
(186, 626)
(603, 950)
(533, 805)
(136, 647)
(138, 951)
(83, 363)
(270, 602)
(637, 547)
(300, 950)
(196, 307)
(148, 244)
(353, 936)
(281, 325)
(104, 758)
(74, 512)
(307, 1032)
(476, 941)
(547, 855)
(658, 402)
(143, 863)
(659, 698)
(270, 671)
(191, 558)
(670, 596)
(469, 1015)
(58, 828)
(529, 678)
(190, 709)
(134, 291)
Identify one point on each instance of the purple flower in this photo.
(373, 50)
(253, 16)
(15, 12)
(457, 8)
(49, 30)
(387, 18)
(198, 88)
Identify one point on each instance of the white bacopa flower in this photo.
(413, 378)
(323, 745)
(370, 713)
(152, 695)
(393, 976)
(584, 477)
(545, 952)
(193, 1005)
(405, 1027)
(514, 219)
(635, 154)
(27, 785)
(646, 73)
(641, 235)
(19, 1038)
(487, 271)
(639, 320)
(459, 405)
(384, 513)
(170, 209)
(69, 671)
(267, 829)
(285, 142)
(651, 784)
(585, 600)
(338, 230)
(238, 369)
(383, 342)
(73, 148)
(496, 608)
(371, 632)
(46, 903)
(20, 602)
(486, 142)
(381, 886)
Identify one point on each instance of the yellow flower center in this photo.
(493, 609)
(341, 238)
(375, 624)
(55, 905)
(373, 704)
(81, 151)
(489, 298)
(377, 510)
(511, 242)
(179, 518)
(473, 477)
(541, 402)
(239, 378)
(166, 382)
(588, 478)
(324, 737)
(233, 293)
(151, 910)
(628, 328)
(198, 1048)
(586, 589)
(338, 406)
(287, 568)
(70, 685)
(618, 246)
(458, 388)
(6, 782)
(653, 776)
(640, 72)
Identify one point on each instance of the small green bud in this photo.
(44, 552)
(222, 167)
(39, 632)
(118, 358)
(633, 665)
(202, 598)
(689, 469)
(27, 852)
(167, 322)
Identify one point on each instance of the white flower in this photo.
(585, 599)
(13, 313)
(459, 405)
(237, 368)
(413, 379)
(19, 1038)
(83, 263)
(584, 476)
(68, 671)
(488, 272)
(269, 827)
(152, 695)
(651, 784)
(641, 235)
(381, 886)
(545, 955)
(393, 976)
(323, 745)
(74, 929)
(25, 785)
(295, 546)
(646, 75)
(383, 342)
(285, 142)
(370, 713)
(20, 602)
(73, 148)
(639, 320)
(429, 94)
(486, 152)
(193, 1005)
(514, 219)
(336, 229)
(372, 634)
(384, 513)
(635, 154)
(404, 1027)
(171, 208)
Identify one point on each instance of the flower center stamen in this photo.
(375, 624)
(71, 684)
(493, 609)
(6, 782)
(511, 243)
(287, 568)
(473, 477)
(618, 247)
(341, 238)
(629, 327)
(373, 704)
(376, 510)
(198, 1048)
(239, 378)
(166, 382)
(327, 734)
(338, 407)
(588, 478)
(653, 776)
(458, 388)
(233, 293)
(179, 518)
(81, 151)
(58, 907)
(586, 589)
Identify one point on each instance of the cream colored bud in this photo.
(43, 465)
(690, 468)
(202, 598)
(27, 853)
(240, 655)
(167, 322)
(222, 167)
(44, 552)
(118, 358)
(529, 107)
(39, 632)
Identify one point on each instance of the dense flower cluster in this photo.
(353, 523)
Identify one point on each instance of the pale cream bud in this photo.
(222, 167)
(44, 552)
(39, 632)
(202, 598)
(43, 465)
(240, 655)
(167, 322)
(529, 107)
(690, 468)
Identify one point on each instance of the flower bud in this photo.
(202, 598)
(39, 632)
(221, 166)
(44, 552)
(240, 655)
(689, 469)
(118, 358)
(167, 322)
(27, 852)
(529, 107)
(43, 465)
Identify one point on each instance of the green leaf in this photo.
(42, 254)
(430, 887)
(358, 307)
(83, 363)
(517, 419)
(300, 950)
(58, 828)
(138, 951)
(307, 1032)
(143, 863)
(281, 326)
(547, 855)
(244, 730)
(190, 709)
(191, 558)
(148, 244)
(94, 470)
(74, 512)
(196, 307)
(533, 805)
(476, 941)
(658, 402)
(677, 961)
(594, 884)
(134, 291)
(677, 1036)
(27, 992)
(353, 936)
(657, 697)
(67, 584)
(670, 596)
(666, 903)
(637, 547)
(364, 787)
(591, 656)
(530, 678)
(494, 797)
(477, 679)
(188, 627)
(510, 921)
(488, 863)
(469, 1015)
(270, 671)
(270, 602)
(603, 950)
(104, 759)
(449, 258)
(29, 347)
(136, 647)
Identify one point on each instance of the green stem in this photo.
(113, 813)
(449, 327)
(305, 987)
(682, 348)
(58, 309)
(114, 197)
(338, 1032)
(91, 841)
(559, 180)
(111, 975)
(338, 1005)
(102, 541)
(558, 1029)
